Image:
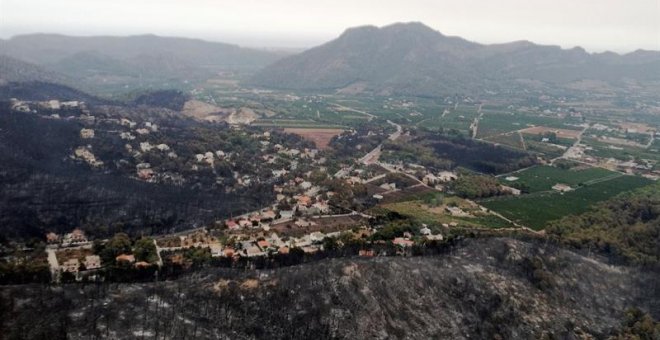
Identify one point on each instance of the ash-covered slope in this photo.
(483, 289)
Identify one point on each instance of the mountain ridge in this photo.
(412, 58)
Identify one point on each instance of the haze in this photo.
(620, 26)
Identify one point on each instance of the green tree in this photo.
(145, 250)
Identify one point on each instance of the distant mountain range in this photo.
(411, 58)
(145, 60)
(403, 58)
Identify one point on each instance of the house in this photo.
(71, 265)
(86, 133)
(286, 214)
(244, 223)
(323, 207)
(310, 249)
(434, 237)
(263, 244)
(304, 200)
(231, 224)
(125, 258)
(430, 179)
(268, 215)
(511, 178)
(92, 262)
(145, 174)
(253, 251)
(446, 176)
(388, 186)
(142, 264)
(561, 187)
(216, 249)
(76, 236)
(52, 238)
(402, 242)
(366, 253)
(425, 231)
(511, 190)
(283, 250)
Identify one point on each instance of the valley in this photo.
(391, 183)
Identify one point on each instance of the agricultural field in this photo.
(494, 123)
(422, 212)
(560, 133)
(622, 152)
(320, 137)
(542, 178)
(536, 210)
(512, 139)
(458, 117)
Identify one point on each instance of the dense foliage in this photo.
(476, 186)
(627, 226)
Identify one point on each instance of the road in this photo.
(346, 108)
(53, 264)
(475, 125)
(571, 150)
(373, 155)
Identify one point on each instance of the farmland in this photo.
(320, 137)
(536, 210)
(494, 123)
(542, 178)
(430, 215)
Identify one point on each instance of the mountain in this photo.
(109, 65)
(14, 70)
(411, 58)
(53, 49)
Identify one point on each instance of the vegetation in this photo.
(625, 227)
(476, 186)
(536, 210)
(542, 178)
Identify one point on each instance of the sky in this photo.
(596, 25)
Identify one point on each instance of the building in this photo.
(511, 190)
(402, 242)
(125, 258)
(76, 236)
(425, 231)
(286, 214)
(232, 225)
(52, 238)
(562, 187)
(71, 265)
(446, 176)
(92, 262)
(86, 133)
(263, 244)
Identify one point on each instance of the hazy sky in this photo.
(597, 25)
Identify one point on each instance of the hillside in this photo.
(109, 65)
(14, 70)
(132, 51)
(488, 288)
(414, 59)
